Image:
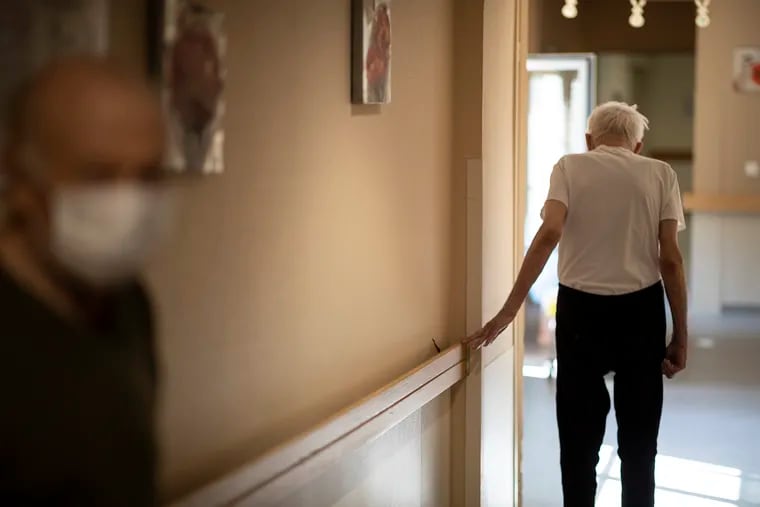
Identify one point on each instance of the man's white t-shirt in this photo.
(615, 202)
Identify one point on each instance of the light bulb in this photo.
(636, 20)
(703, 21)
(570, 11)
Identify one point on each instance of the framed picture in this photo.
(371, 48)
(747, 69)
(187, 58)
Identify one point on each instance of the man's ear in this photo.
(590, 142)
(638, 147)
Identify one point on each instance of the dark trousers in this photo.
(597, 335)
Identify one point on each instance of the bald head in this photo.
(83, 119)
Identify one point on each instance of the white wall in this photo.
(409, 466)
(740, 251)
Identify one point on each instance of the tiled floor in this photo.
(710, 435)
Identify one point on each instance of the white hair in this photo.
(617, 120)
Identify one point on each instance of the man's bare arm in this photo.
(671, 268)
(541, 248)
(538, 254)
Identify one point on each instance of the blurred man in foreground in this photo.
(82, 206)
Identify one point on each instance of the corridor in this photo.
(245, 246)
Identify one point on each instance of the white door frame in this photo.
(496, 203)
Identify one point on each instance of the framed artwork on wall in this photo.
(371, 52)
(187, 49)
(747, 69)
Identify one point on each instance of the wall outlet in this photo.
(752, 169)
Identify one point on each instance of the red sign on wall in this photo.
(747, 69)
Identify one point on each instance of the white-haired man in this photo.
(615, 216)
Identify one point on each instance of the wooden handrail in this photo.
(286, 468)
(722, 203)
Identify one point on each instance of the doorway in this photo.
(561, 92)
(708, 447)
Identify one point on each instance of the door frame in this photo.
(522, 22)
(496, 197)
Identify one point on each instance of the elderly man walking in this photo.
(616, 216)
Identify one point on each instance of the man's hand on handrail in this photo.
(542, 246)
(491, 330)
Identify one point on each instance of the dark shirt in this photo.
(76, 403)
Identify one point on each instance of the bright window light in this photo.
(694, 477)
(699, 478)
(606, 454)
(539, 372)
(609, 496)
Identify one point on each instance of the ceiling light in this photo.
(636, 19)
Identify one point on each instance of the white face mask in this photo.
(104, 233)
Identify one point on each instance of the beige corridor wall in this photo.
(322, 262)
(727, 131)
(727, 126)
